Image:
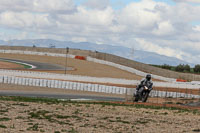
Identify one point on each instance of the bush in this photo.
(180, 68)
(165, 66)
(197, 68)
(187, 68)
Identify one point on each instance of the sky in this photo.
(166, 27)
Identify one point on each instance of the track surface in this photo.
(39, 65)
(60, 96)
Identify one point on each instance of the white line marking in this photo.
(81, 99)
(32, 66)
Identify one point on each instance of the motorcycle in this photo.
(142, 94)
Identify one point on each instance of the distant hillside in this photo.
(137, 55)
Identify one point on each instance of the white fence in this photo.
(78, 78)
(164, 94)
(50, 83)
(85, 87)
(62, 84)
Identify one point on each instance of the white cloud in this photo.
(24, 20)
(197, 28)
(79, 39)
(139, 15)
(61, 6)
(97, 4)
(164, 28)
(193, 1)
(42, 6)
(159, 49)
(146, 25)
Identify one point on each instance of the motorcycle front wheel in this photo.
(144, 98)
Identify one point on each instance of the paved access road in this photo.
(60, 96)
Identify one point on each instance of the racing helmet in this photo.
(148, 77)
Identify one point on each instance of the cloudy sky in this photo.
(167, 27)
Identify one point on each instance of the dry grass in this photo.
(18, 116)
(85, 68)
(8, 65)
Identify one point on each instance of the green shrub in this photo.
(197, 68)
(187, 68)
(182, 68)
(179, 68)
(165, 66)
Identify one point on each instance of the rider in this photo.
(145, 82)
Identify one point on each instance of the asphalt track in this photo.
(47, 66)
(60, 96)
(38, 65)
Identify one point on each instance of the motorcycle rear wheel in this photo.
(135, 98)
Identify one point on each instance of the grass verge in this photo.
(57, 101)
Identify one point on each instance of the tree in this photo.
(180, 68)
(197, 68)
(187, 68)
(165, 66)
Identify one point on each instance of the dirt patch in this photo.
(76, 117)
(174, 102)
(8, 65)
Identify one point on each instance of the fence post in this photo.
(157, 95)
(187, 93)
(191, 94)
(166, 94)
(199, 94)
(126, 98)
